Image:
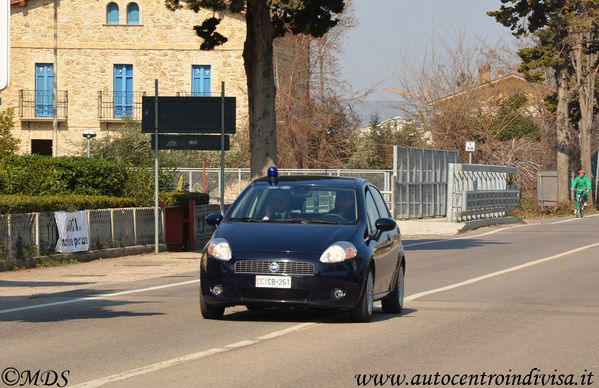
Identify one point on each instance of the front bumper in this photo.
(316, 290)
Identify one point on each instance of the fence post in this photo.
(9, 227)
(112, 226)
(37, 232)
(450, 189)
(135, 226)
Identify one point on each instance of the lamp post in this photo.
(88, 134)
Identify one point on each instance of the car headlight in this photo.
(219, 248)
(341, 250)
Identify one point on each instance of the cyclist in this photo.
(581, 182)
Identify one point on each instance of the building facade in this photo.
(104, 56)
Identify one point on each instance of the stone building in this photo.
(105, 55)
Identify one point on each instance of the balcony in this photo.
(118, 106)
(38, 105)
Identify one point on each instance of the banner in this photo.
(73, 231)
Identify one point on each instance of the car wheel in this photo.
(393, 303)
(209, 311)
(363, 310)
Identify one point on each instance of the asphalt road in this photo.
(517, 302)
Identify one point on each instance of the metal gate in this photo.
(420, 182)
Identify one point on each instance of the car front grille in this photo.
(274, 294)
(263, 267)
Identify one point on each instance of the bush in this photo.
(19, 203)
(45, 175)
(181, 198)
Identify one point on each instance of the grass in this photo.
(528, 210)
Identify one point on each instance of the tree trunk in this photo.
(563, 132)
(586, 98)
(257, 56)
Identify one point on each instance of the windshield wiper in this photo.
(322, 222)
(244, 219)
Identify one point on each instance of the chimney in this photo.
(484, 72)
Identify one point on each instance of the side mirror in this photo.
(214, 219)
(384, 225)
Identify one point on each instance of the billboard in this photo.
(4, 43)
(188, 114)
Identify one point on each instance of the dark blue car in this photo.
(312, 241)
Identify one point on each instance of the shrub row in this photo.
(181, 198)
(18, 203)
(44, 175)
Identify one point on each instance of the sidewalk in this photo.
(49, 280)
(429, 227)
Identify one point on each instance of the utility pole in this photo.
(55, 86)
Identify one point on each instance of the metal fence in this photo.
(237, 179)
(32, 234)
(420, 187)
(547, 187)
(479, 191)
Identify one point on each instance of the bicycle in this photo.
(579, 204)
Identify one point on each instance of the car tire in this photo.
(362, 312)
(393, 303)
(209, 311)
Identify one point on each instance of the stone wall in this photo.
(163, 46)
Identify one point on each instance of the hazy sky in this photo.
(388, 29)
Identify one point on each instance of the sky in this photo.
(389, 29)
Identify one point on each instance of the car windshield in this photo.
(296, 203)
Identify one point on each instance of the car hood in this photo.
(277, 237)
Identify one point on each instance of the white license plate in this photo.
(273, 281)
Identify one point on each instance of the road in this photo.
(516, 302)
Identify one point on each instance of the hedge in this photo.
(181, 198)
(18, 203)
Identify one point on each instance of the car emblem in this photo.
(274, 266)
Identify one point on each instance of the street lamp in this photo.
(88, 134)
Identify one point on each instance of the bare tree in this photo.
(314, 120)
(463, 91)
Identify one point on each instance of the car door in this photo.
(381, 247)
(392, 238)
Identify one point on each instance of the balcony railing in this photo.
(198, 94)
(119, 105)
(39, 104)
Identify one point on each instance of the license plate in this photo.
(273, 281)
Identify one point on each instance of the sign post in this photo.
(470, 147)
(156, 189)
(4, 43)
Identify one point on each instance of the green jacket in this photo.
(583, 183)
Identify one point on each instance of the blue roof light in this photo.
(273, 175)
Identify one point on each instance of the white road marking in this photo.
(464, 237)
(502, 272)
(97, 297)
(150, 368)
(572, 219)
(190, 357)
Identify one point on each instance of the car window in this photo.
(380, 202)
(293, 201)
(371, 212)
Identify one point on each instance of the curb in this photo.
(475, 224)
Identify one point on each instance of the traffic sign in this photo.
(188, 114)
(4, 43)
(190, 142)
(470, 146)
